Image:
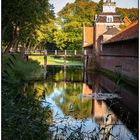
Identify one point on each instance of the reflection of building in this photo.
(104, 117)
(87, 90)
(101, 111)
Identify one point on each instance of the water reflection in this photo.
(71, 112)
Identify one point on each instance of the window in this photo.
(109, 19)
(109, 26)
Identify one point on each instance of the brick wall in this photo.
(122, 57)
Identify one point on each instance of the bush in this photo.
(23, 117)
(15, 69)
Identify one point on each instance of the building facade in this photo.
(104, 21)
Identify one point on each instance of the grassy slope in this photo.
(55, 61)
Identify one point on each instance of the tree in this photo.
(99, 7)
(71, 19)
(20, 19)
(61, 39)
(132, 13)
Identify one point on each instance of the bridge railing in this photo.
(56, 52)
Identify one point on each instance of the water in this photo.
(75, 113)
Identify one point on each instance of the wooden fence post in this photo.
(45, 60)
(75, 52)
(55, 52)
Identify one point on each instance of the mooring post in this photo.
(45, 60)
(65, 52)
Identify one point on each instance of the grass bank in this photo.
(15, 69)
(56, 60)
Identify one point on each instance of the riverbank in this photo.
(23, 117)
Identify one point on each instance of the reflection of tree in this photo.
(72, 105)
(69, 102)
(23, 116)
(57, 74)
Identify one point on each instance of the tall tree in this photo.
(99, 7)
(20, 19)
(71, 19)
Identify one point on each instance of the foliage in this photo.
(132, 13)
(60, 39)
(99, 7)
(23, 117)
(71, 19)
(21, 19)
(16, 69)
(56, 61)
(122, 26)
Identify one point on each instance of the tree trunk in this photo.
(8, 47)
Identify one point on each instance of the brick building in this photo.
(104, 21)
(120, 53)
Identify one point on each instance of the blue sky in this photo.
(59, 4)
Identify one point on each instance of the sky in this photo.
(59, 4)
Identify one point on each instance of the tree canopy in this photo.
(71, 19)
(22, 21)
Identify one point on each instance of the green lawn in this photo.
(56, 60)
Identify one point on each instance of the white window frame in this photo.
(109, 19)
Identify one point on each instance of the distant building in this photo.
(107, 35)
(104, 21)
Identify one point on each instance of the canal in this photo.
(78, 114)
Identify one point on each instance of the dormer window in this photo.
(109, 19)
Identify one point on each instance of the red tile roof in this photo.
(102, 18)
(131, 32)
(126, 21)
(112, 31)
